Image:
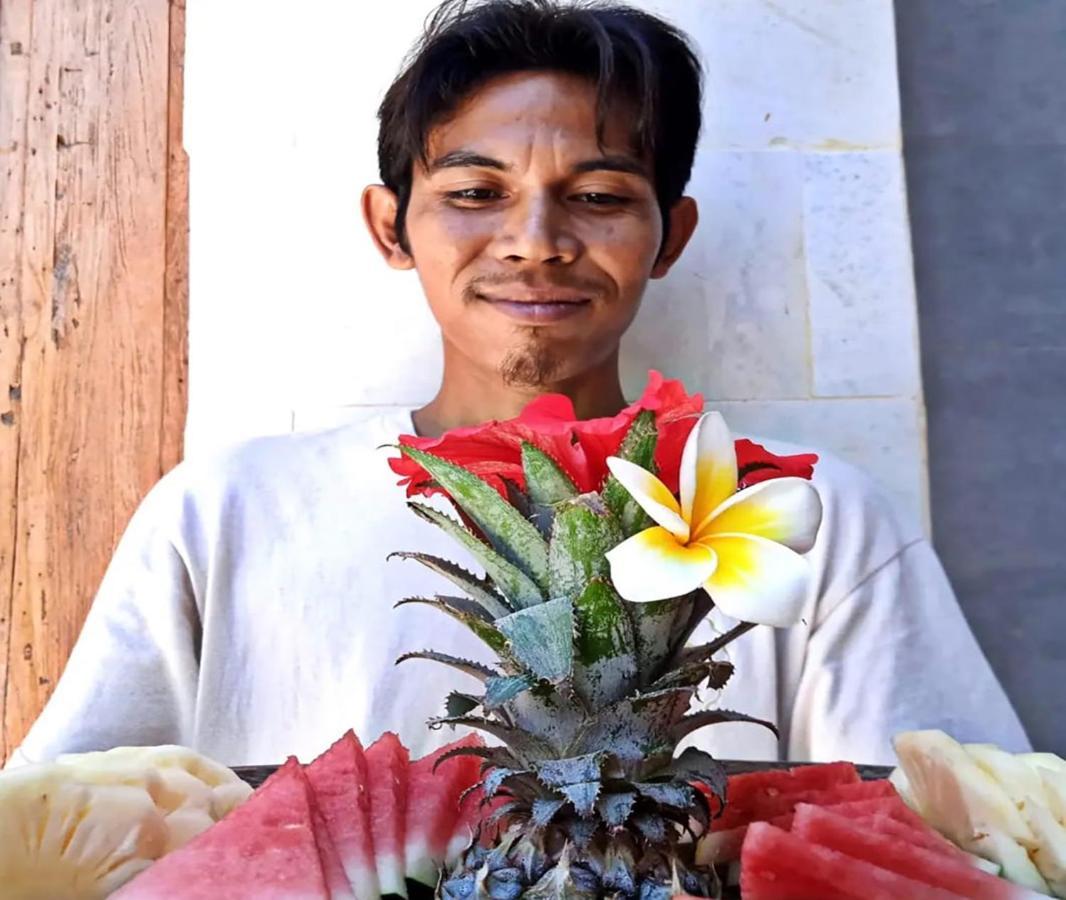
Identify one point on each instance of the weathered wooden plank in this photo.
(14, 99)
(91, 289)
(176, 291)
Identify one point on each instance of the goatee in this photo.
(532, 365)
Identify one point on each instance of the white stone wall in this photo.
(793, 310)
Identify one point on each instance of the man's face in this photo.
(533, 242)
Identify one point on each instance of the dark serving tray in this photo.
(256, 775)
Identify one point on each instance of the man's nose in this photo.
(537, 231)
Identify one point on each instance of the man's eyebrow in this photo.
(458, 159)
(612, 164)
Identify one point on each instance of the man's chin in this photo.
(531, 366)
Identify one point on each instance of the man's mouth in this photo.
(536, 305)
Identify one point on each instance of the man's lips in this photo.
(538, 305)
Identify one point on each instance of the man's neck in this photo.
(469, 396)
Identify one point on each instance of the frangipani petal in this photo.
(652, 565)
(653, 496)
(785, 510)
(757, 580)
(708, 469)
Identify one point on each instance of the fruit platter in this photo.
(575, 771)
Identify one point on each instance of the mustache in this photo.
(575, 283)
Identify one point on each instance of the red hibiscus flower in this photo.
(493, 450)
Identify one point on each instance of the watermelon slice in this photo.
(433, 800)
(264, 850)
(778, 865)
(823, 826)
(745, 789)
(767, 808)
(722, 846)
(341, 785)
(387, 764)
(332, 870)
(922, 837)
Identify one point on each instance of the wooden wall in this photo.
(93, 300)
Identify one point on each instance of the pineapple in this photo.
(589, 698)
(63, 838)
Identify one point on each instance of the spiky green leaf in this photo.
(479, 589)
(527, 748)
(517, 587)
(544, 810)
(484, 630)
(503, 689)
(459, 704)
(475, 669)
(513, 536)
(669, 793)
(697, 720)
(606, 666)
(714, 672)
(493, 756)
(495, 779)
(616, 807)
(546, 482)
(699, 766)
(653, 625)
(541, 638)
(637, 447)
(573, 770)
(582, 795)
(583, 532)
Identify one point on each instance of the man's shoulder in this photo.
(295, 463)
(862, 529)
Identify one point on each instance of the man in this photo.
(534, 158)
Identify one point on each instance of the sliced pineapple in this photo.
(63, 839)
(176, 777)
(964, 802)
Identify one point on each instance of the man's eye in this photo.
(594, 198)
(474, 194)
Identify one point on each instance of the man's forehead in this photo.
(501, 122)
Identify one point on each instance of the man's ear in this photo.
(379, 205)
(684, 216)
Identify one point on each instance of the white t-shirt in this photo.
(248, 612)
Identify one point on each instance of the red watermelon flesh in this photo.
(770, 807)
(920, 837)
(721, 846)
(263, 850)
(822, 826)
(751, 786)
(433, 807)
(332, 870)
(779, 865)
(341, 785)
(387, 763)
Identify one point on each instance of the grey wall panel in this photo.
(983, 86)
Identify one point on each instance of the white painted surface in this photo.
(794, 307)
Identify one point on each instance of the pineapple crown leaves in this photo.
(492, 756)
(546, 483)
(475, 669)
(605, 667)
(501, 690)
(480, 589)
(694, 721)
(481, 627)
(518, 588)
(511, 534)
(541, 638)
(638, 446)
(458, 703)
(583, 532)
(698, 767)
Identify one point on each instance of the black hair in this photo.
(630, 56)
